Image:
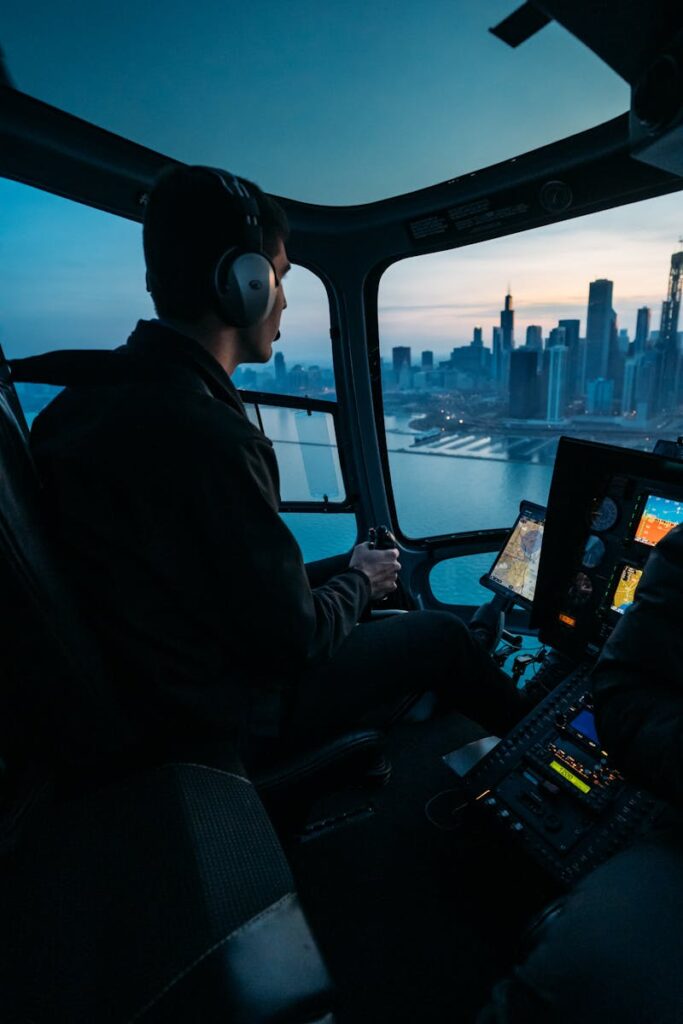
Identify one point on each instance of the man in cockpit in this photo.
(166, 500)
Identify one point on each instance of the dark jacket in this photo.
(165, 500)
(638, 681)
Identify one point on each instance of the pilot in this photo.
(612, 949)
(165, 497)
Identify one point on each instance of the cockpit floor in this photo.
(416, 910)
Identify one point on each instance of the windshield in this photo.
(339, 104)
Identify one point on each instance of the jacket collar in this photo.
(153, 339)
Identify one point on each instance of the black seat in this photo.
(160, 895)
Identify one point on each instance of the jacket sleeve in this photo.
(261, 580)
(638, 680)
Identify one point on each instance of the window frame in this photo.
(308, 405)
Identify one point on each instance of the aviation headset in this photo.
(244, 281)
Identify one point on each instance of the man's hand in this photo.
(380, 566)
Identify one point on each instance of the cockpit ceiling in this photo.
(334, 103)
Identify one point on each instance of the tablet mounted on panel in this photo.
(514, 571)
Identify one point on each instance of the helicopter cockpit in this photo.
(478, 366)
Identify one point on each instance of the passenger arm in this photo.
(638, 681)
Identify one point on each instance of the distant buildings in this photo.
(507, 325)
(557, 381)
(669, 383)
(524, 384)
(401, 363)
(599, 323)
(573, 342)
(642, 330)
(497, 364)
(280, 369)
(599, 397)
(602, 374)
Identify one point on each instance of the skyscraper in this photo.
(642, 330)
(401, 363)
(280, 369)
(599, 397)
(507, 324)
(646, 385)
(628, 395)
(571, 336)
(667, 343)
(599, 328)
(556, 337)
(534, 337)
(616, 358)
(427, 360)
(524, 384)
(497, 347)
(557, 382)
(477, 338)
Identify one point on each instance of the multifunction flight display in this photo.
(608, 507)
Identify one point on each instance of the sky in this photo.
(336, 103)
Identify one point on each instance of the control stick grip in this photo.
(381, 537)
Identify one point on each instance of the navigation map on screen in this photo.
(660, 515)
(517, 565)
(626, 588)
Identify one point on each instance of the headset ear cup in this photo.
(245, 287)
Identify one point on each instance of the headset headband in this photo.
(234, 186)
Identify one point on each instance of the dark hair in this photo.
(190, 220)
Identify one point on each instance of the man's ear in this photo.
(147, 281)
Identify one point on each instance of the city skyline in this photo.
(548, 269)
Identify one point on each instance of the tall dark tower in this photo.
(400, 358)
(642, 330)
(667, 344)
(598, 328)
(401, 364)
(524, 384)
(280, 369)
(507, 325)
(571, 331)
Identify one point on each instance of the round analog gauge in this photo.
(593, 553)
(580, 591)
(604, 514)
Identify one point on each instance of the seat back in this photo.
(164, 897)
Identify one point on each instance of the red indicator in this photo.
(567, 620)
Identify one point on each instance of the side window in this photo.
(300, 423)
(490, 353)
(302, 356)
(72, 277)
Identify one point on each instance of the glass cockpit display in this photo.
(658, 518)
(626, 588)
(608, 508)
